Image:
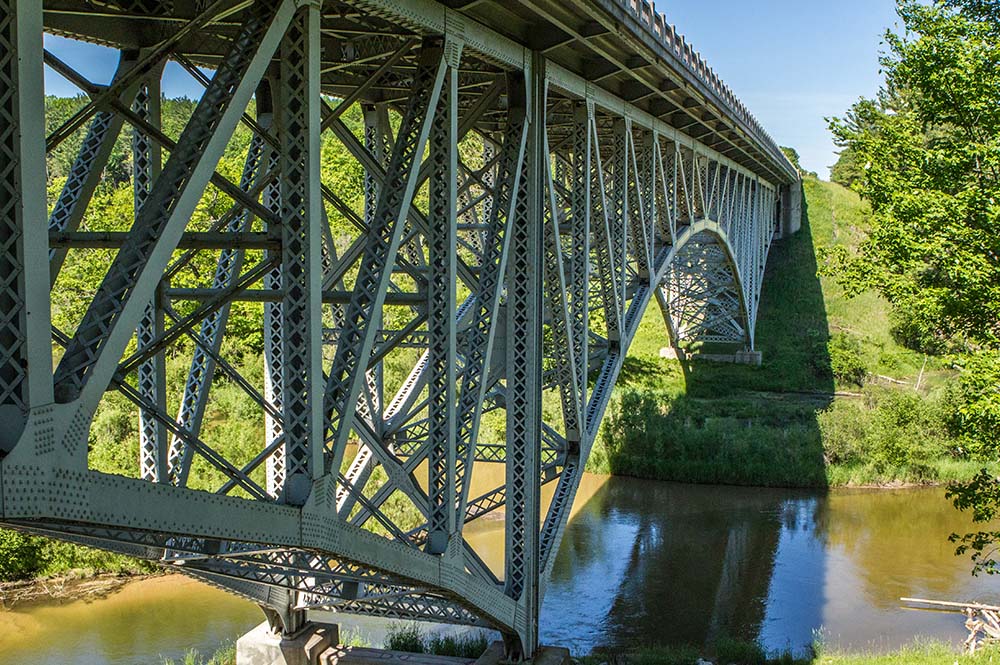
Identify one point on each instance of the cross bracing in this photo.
(532, 175)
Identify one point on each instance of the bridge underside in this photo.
(447, 227)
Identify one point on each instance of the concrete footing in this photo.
(262, 647)
(748, 358)
(544, 656)
(754, 358)
(341, 655)
(317, 644)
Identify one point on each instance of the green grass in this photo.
(409, 637)
(735, 652)
(824, 401)
(224, 656)
(921, 653)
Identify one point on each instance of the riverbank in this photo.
(729, 653)
(747, 653)
(836, 402)
(79, 585)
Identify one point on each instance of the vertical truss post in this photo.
(442, 237)
(637, 221)
(197, 388)
(645, 174)
(25, 349)
(357, 336)
(524, 370)
(152, 373)
(607, 277)
(273, 428)
(477, 350)
(301, 242)
(488, 180)
(560, 342)
(621, 210)
(579, 262)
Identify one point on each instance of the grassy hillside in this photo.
(835, 401)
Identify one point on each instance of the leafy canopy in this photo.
(929, 151)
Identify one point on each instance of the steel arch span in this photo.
(530, 175)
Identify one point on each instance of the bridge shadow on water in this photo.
(655, 564)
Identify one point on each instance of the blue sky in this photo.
(792, 62)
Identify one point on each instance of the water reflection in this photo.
(648, 563)
(642, 563)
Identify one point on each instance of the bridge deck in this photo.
(621, 46)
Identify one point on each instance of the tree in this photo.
(930, 149)
(793, 156)
(930, 145)
(846, 171)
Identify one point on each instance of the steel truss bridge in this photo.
(535, 172)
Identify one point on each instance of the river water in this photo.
(641, 563)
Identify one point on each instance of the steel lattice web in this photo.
(470, 302)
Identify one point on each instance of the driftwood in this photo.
(982, 621)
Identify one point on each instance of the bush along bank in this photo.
(838, 400)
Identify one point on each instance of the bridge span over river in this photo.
(531, 175)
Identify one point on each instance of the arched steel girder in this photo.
(573, 204)
(709, 229)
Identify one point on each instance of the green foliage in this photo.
(974, 400)
(905, 431)
(890, 435)
(922, 652)
(649, 434)
(846, 361)
(471, 645)
(974, 417)
(21, 556)
(740, 652)
(793, 156)
(931, 148)
(405, 637)
(409, 637)
(846, 171)
(224, 656)
(733, 652)
(25, 557)
(715, 422)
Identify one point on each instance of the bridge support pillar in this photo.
(494, 655)
(263, 646)
(791, 208)
(753, 358)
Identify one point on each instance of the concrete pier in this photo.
(317, 644)
(261, 646)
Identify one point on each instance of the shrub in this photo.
(409, 637)
(973, 404)
(21, 556)
(470, 645)
(846, 359)
(403, 637)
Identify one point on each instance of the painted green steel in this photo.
(534, 174)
